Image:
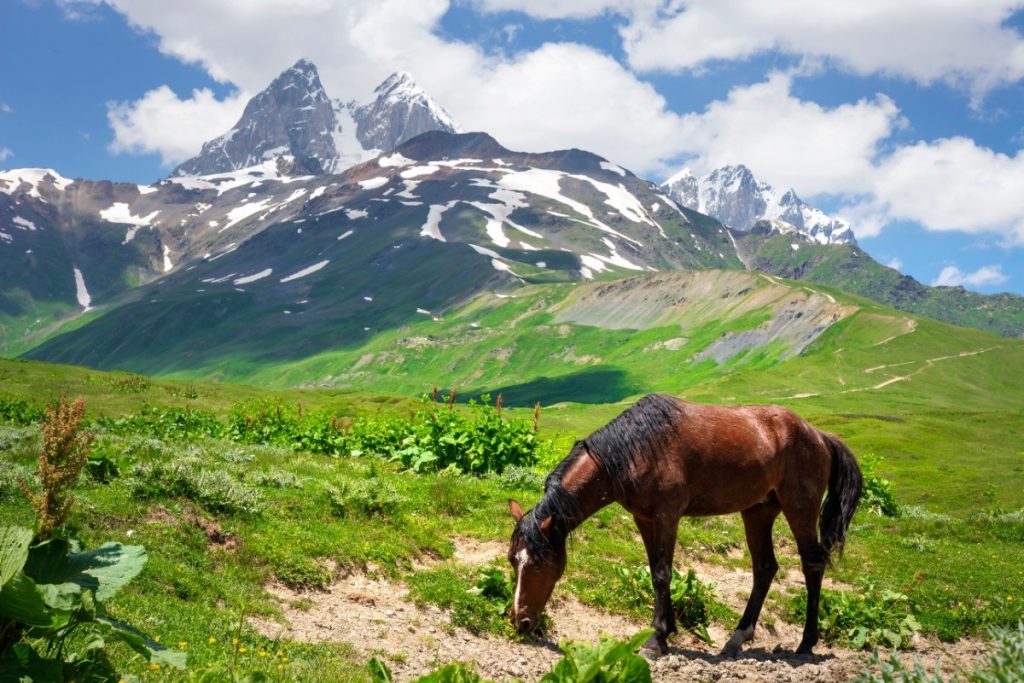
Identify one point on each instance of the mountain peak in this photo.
(293, 117)
(733, 195)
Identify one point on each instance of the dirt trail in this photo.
(375, 616)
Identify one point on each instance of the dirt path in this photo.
(375, 616)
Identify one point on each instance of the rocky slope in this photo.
(735, 197)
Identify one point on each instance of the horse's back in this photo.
(726, 458)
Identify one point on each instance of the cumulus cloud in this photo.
(5, 154)
(175, 128)
(962, 43)
(986, 275)
(557, 96)
(789, 141)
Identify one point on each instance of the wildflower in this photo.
(263, 653)
(156, 639)
(243, 649)
(154, 666)
(211, 640)
(182, 644)
(234, 641)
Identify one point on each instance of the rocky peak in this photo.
(400, 111)
(294, 121)
(291, 117)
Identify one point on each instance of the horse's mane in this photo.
(639, 433)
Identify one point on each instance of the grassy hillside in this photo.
(847, 267)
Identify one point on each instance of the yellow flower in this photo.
(234, 641)
(280, 667)
(211, 640)
(182, 644)
(263, 653)
(156, 639)
(243, 649)
(154, 666)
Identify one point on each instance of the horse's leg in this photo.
(757, 522)
(803, 520)
(659, 536)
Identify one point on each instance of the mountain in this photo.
(735, 197)
(262, 266)
(294, 119)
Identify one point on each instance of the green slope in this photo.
(849, 268)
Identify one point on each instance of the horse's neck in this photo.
(588, 483)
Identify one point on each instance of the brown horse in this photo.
(664, 458)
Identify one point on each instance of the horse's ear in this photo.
(545, 526)
(515, 510)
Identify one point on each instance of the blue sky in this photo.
(905, 118)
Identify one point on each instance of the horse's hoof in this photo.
(654, 648)
(730, 651)
(805, 651)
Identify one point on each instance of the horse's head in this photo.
(537, 556)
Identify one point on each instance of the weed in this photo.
(693, 601)
(866, 618)
(878, 496)
(62, 458)
(609, 661)
(364, 497)
(215, 490)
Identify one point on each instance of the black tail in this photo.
(845, 485)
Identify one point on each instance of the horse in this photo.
(664, 458)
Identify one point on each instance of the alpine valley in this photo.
(334, 243)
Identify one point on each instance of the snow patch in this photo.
(432, 228)
(168, 264)
(394, 159)
(254, 277)
(353, 214)
(24, 223)
(81, 293)
(240, 213)
(345, 234)
(317, 192)
(608, 166)
(306, 271)
(373, 183)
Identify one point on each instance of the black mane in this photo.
(639, 433)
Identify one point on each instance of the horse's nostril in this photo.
(525, 625)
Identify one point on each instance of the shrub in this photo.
(495, 585)
(274, 478)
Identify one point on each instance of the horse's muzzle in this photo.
(525, 626)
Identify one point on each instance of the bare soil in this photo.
(376, 617)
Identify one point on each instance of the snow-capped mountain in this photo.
(734, 196)
(294, 121)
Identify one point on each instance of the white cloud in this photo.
(557, 96)
(951, 184)
(175, 128)
(895, 263)
(792, 142)
(962, 43)
(986, 275)
(6, 108)
(5, 154)
(563, 9)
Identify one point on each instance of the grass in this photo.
(949, 438)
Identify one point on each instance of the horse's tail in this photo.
(845, 486)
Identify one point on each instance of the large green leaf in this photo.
(22, 663)
(21, 600)
(104, 570)
(136, 640)
(14, 542)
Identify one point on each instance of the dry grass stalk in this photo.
(61, 460)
